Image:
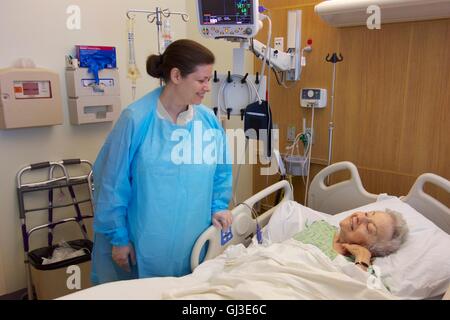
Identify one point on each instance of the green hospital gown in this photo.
(320, 234)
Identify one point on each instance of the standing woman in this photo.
(163, 175)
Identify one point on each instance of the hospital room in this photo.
(225, 150)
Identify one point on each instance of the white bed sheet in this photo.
(142, 289)
(287, 270)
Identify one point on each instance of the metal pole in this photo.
(331, 124)
(157, 15)
(158, 27)
(334, 59)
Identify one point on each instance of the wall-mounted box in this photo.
(89, 101)
(29, 97)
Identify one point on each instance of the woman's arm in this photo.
(223, 178)
(112, 183)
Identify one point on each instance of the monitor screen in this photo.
(228, 12)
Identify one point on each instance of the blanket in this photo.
(286, 270)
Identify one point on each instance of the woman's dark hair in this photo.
(186, 55)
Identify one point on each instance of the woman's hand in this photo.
(361, 254)
(120, 256)
(222, 220)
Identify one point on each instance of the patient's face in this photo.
(366, 228)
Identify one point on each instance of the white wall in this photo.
(37, 29)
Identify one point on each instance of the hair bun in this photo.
(155, 66)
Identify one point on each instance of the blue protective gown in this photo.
(141, 196)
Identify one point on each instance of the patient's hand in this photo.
(120, 256)
(222, 220)
(361, 254)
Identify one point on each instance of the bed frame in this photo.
(332, 199)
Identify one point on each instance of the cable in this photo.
(250, 87)
(258, 227)
(269, 36)
(310, 154)
(252, 210)
(133, 71)
(238, 173)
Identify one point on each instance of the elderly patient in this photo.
(370, 234)
(363, 235)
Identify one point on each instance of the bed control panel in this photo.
(225, 236)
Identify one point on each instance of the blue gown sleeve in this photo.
(112, 181)
(223, 178)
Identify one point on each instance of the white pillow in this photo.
(419, 269)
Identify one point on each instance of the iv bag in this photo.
(166, 35)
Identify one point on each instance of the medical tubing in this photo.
(131, 52)
(252, 210)
(269, 36)
(258, 227)
(221, 93)
(268, 98)
(133, 72)
(238, 173)
(224, 88)
(310, 154)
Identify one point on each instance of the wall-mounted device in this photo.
(316, 97)
(89, 101)
(233, 93)
(29, 97)
(228, 18)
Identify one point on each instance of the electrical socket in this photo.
(278, 44)
(311, 132)
(291, 134)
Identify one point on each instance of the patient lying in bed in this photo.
(362, 235)
(304, 256)
(287, 266)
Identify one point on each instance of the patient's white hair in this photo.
(384, 248)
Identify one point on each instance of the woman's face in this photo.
(366, 228)
(194, 86)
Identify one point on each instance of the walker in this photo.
(50, 280)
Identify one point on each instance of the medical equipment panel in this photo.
(89, 101)
(313, 97)
(29, 97)
(228, 18)
(233, 93)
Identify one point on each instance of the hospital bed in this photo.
(430, 218)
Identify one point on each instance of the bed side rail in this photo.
(430, 207)
(341, 196)
(243, 227)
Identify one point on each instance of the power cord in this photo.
(258, 227)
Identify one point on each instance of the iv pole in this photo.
(334, 59)
(157, 15)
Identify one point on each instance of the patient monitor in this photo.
(228, 18)
(29, 97)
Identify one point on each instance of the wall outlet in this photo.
(311, 132)
(291, 134)
(278, 44)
